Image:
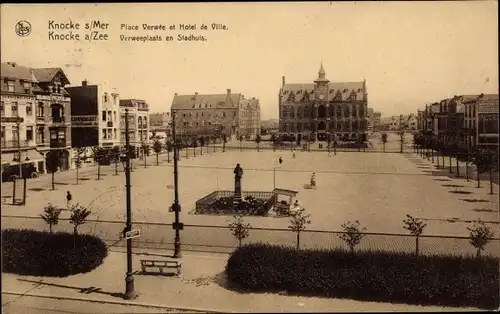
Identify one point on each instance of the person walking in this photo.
(313, 180)
(293, 154)
(280, 160)
(68, 198)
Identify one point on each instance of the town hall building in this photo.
(322, 108)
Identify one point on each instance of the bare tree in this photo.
(239, 230)
(298, 223)
(79, 215)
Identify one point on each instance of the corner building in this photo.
(315, 110)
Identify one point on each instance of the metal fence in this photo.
(219, 238)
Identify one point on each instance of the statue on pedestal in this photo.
(238, 173)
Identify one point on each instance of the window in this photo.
(114, 116)
(2, 108)
(29, 109)
(3, 133)
(14, 133)
(109, 115)
(39, 110)
(27, 87)
(103, 134)
(10, 86)
(29, 133)
(105, 97)
(15, 111)
(103, 115)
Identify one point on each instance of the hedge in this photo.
(40, 253)
(367, 276)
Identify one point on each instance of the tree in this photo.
(157, 147)
(274, 139)
(329, 141)
(298, 223)
(169, 146)
(239, 230)
(145, 152)
(51, 215)
(416, 227)
(258, 139)
(78, 160)
(115, 156)
(480, 235)
(194, 144)
(202, 142)
(485, 161)
(214, 140)
(224, 141)
(241, 141)
(401, 139)
(384, 140)
(79, 215)
(352, 234)
(53, 161)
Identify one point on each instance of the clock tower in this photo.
(320, 103)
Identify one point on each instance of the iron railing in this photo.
(207, 238)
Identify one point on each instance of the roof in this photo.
(215, 101)
(341, 90)
(14, 71)
(48, 74)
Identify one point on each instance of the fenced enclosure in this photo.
(206, 238)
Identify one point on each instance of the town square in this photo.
(297, 157)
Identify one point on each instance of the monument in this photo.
(238, 173)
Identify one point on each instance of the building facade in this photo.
(249, 118)
(95, 110)
(36, 117)
(18, 143)
(138, 122)
(216, 114)
(320, 108)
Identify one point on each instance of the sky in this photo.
(410, 53)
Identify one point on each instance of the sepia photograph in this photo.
(250, 157)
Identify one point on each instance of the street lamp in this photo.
(129, 279)
(176, 207)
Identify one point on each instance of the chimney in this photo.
(84, 83)
(176, 94)
(196, 93)
(283, 81)
(229, 91)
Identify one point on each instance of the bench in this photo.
(161, 264)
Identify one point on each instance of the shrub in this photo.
(367, 276)
(40, 253)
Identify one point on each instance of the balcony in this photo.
(15, 144)
(58, 120)
(40, 120)
(60, 143)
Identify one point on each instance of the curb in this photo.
(131, 303)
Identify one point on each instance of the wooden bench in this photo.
(162, 264)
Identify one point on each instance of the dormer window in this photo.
(359, 90)
(331, 91)
(285, 92)
(345, 90)
(299, 91)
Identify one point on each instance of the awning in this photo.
(32, 154)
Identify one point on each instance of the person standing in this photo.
(68, 198)
(313, 180)
(280, 160)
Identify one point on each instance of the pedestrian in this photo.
(313, 180)
(68, 198)
(293, 154)
(280, 160)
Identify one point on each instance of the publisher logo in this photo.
(23, 28)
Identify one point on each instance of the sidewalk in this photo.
(202, 287)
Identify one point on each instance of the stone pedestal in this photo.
(238, 173)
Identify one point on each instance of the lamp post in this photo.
(18, 123)
(176, 207)
(129, 279)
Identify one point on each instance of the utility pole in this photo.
(129, 279)
(177, 226)
(18, 122)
